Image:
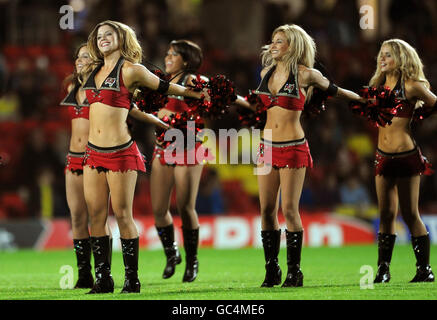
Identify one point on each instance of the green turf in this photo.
(330, 273)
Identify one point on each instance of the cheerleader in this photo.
(399, 162)
(288, 78)
(182, 60)
(112, 158)
(78, 110)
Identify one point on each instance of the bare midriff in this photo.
(396, 137)
(108, 127)
(79, 134)
(284, 125)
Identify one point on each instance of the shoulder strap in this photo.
(263, 86)
(90, 83)
(70, 99)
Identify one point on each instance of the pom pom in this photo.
(255, 119)
(196, 106)
(179, 121)
(222, 93)
(422, 112)
(316, 104)
(148, 100)
(382, 105)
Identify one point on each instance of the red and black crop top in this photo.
(288, 97)
(407, 109)
(76, 109)
(176, 103)
(112, 92)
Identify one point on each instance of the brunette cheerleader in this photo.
(112, 158)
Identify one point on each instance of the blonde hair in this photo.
(407, 63)
(130, 48)
(301, 50)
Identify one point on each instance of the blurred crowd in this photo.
(36, 56)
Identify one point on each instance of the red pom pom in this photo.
(179, 121)
(255, 119)
(151, 101)
(423, 112)
(316, 103)
(382, 105)
(222, 93)
(195, 106)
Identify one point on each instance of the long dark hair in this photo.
(75, 78)
(190, 53)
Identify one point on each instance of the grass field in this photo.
(330, 274)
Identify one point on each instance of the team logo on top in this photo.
(289, 87)
(110, 81)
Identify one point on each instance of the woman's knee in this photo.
(79, 221)
(268, 209)
(186, 207)
(159, 210)
(290, 209)
(411, 217)
(387, 216)
(123, 216)
(188, 215)
(98, 221)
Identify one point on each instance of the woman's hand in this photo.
(206, 95)
(242, 102)
(364, 100)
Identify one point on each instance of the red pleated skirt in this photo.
(119, 158)
(403, 164)
(287, 154)
(74, 162)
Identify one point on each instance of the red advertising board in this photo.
(230, 231)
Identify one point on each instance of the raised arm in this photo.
(418, 91)
(137, 75)
(242, 102)
(313, 77)
(147, 117)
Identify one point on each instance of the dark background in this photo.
(36, 55)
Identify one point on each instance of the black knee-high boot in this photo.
(421, 247)
(271, 243)
(294, 249)
(166, 234)
(130, 248)
(110, 252)
(82, 248)
(191, 243)
(102, 266)
(386, 243)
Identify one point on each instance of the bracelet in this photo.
(163, 86)
(332, 89)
